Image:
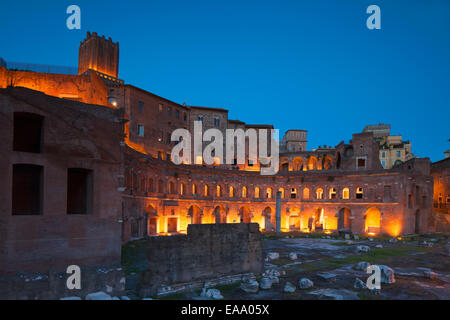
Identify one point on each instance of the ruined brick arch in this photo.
(312, 163)
(327, 163)
(268, 217)
(372, 218)
(344, 219)
(284, 164)
(294, 219)
(298, 164)
(219, 214)
(195, 213)
(318, 220)
(245, 214)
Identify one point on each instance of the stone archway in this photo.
(319, 219)
(245, 214)
(195, 213)
(268, 216)
(219, 215)
(344, 221)
(373, 221)
(294, 219)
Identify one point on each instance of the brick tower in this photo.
(99, 54)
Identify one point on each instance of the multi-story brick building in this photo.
(328, 189)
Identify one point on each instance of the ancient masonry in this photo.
(86, 166)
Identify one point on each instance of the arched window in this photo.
(282, 192)
(332, 193)
(231, 192)
(359, 193)
(269, 193)
(256, 192)
(319, 193)
(244, 192)
(219, 191)
(293, 193)
(194, 189)
(182, 188)
(160, 186)
(206, 190)
(306, 193)
(345, 193)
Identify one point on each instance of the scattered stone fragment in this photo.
(362, 248)
(249, 285)
(98, 296)
(273, 255)
(371, 239)
(147, 299)
(350, 242)
(274, 279)
(387, 274)
(265, 283)
(362, 266)
(379, 246)
(430, 275)
(293, 256)
(329, 277)
(359, 284)
(124, 298)
(271, 272)
(347, 236)
(211, 294)
(289, 287)
(393, 240)
(70, 298)
(305, 283)
(356, 237)
(115, 298)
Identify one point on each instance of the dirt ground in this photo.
(410, 258)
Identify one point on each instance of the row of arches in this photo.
(319, 219)
(306, 164)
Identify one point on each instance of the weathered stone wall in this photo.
(207, 251)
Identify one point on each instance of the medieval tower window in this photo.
(282, 192)
(27, 189)
(361, 162)
(231, 192)
(206, 190)
(27, 132)
(194, 189)
(79, 191)
(359, 193)
(216, 121)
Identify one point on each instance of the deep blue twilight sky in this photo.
(295, 64)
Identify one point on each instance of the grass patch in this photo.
(228, 287)
(281, 261)
(173, 296)
(378, 255)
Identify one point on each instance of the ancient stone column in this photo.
(278, 213)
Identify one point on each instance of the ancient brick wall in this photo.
(73, 136)
(207, 251)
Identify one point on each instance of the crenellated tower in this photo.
(99, 54)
